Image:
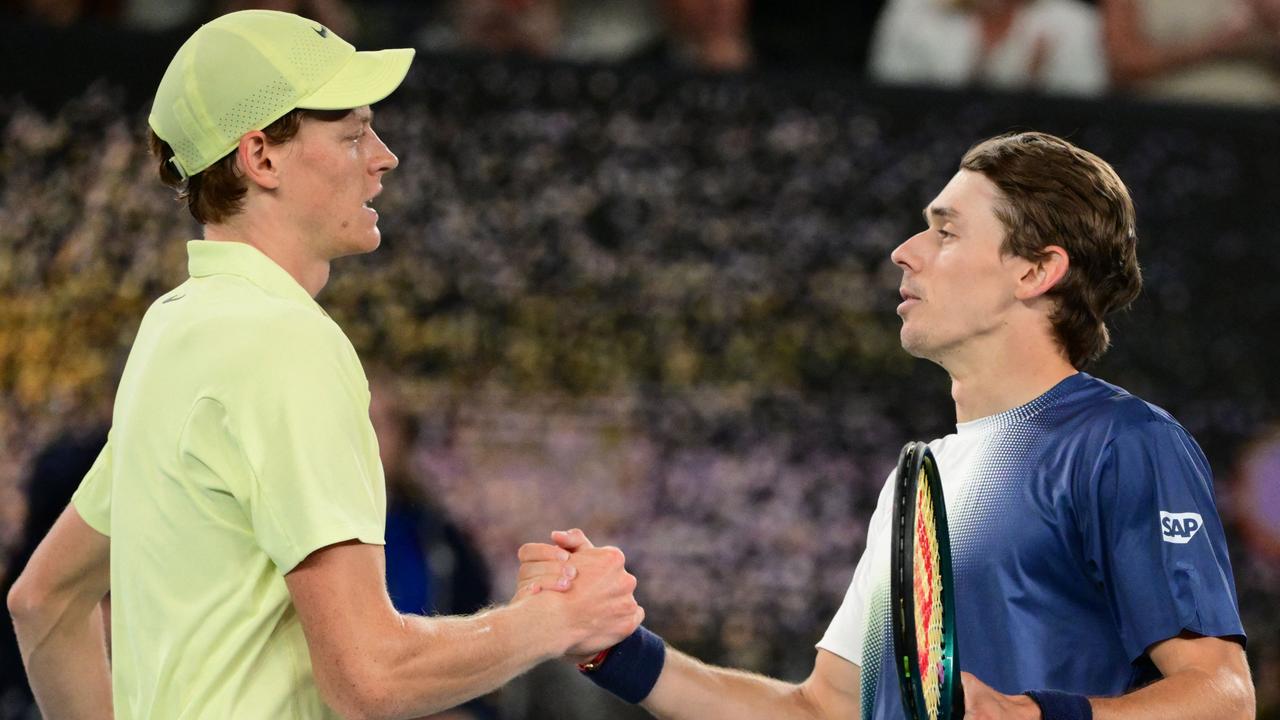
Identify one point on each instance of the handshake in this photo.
(586, 594)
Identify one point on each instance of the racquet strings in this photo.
(927, 590)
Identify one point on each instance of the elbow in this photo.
(25, 600)
(1247, 703)
(1235, 687)
(356, 704)
(352, 706)
(356, 693)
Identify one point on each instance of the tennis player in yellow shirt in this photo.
(236, 514)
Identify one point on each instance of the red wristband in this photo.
(594, 663)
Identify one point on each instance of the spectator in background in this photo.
(62, 13)
(607, 30)
(55, 474)
(163, 15)
(333, 14)
(791, 35)
(1254, 509)
(1222, 51)
(1257, 506)
(173, 15)
(432, 566)
(525, 27)
(1052, 46)
(710, 35)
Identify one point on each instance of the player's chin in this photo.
(913, 341)
(365, 242)
(370, 239)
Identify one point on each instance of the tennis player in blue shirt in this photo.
(1091, 568)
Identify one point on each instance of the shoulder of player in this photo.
(266, 320)
(1123, 412)
(1124, 424)
(236, 300)
(249, 331)
(296, 322)
(297, 337)
(287, 352)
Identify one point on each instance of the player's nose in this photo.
(905, 255)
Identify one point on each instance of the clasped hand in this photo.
(596, 591)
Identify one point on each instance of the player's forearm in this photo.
(66, 660)
(431, 664)
(690, 689)
(1193, 694)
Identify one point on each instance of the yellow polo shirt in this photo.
(240, 443)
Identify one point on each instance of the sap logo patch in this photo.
(1180, 527)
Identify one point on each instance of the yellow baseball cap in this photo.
(245, 70)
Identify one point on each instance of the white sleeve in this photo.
(845, 634)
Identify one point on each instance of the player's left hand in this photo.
(982, 702)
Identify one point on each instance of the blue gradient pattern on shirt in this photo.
(877, 642)
(1063, 578)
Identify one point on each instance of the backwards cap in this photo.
(243, 71)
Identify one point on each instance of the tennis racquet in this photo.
(924, 616)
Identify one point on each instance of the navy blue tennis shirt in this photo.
(1083, 532)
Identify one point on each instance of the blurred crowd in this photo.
(1219, 51)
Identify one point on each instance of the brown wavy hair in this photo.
(217, 193)
(1054, 193)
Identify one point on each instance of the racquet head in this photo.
(924, 636)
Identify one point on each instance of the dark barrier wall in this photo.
(661, 308)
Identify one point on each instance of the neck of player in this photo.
(1009, 371)
(284, 244)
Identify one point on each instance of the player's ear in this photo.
(1043, 274)
(254, 160)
